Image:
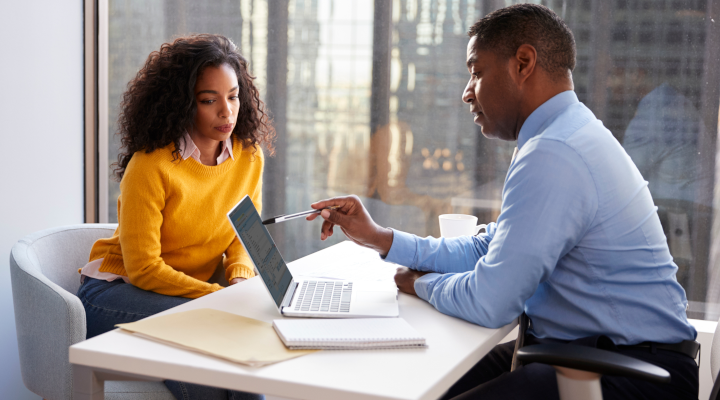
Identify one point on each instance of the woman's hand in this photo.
(236, 280)
(354, 220)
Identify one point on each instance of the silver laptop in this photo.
(306, 297)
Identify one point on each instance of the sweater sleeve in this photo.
(140, 218)
(237, 261)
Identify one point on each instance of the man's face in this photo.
(491, 93)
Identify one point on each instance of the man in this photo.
(578, 245)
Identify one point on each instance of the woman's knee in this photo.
(110, 303)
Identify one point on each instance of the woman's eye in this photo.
(234, 97)
(207, 101)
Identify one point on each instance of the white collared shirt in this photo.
(189, 149)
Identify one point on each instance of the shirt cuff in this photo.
(403, 249)
(424, 284)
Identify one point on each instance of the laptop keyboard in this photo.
(324, 296)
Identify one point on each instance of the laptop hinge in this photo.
(289, 295)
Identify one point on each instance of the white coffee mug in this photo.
(453, 225)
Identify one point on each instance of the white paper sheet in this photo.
(346, 261)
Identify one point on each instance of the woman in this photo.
(191, 127)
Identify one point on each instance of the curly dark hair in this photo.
(506, 29)
(159, 104)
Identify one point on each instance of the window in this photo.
(369, 103)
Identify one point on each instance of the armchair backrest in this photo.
(59, 252)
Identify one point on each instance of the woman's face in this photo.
(216, 97)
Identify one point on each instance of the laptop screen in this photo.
(261, 248)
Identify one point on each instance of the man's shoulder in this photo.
(576, 129)
(568, 122)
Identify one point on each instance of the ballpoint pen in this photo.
(281, 218)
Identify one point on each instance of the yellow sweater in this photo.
(172, 224)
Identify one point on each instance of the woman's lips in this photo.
(225, 128)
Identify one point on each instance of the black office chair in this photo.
(578, 368)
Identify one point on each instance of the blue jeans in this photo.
(110, 303)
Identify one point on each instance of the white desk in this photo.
(453, 347)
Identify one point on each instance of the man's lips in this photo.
(225, 128)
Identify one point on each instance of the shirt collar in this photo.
(188, 149)
(544, 115)
(227, 150)
(187, 146)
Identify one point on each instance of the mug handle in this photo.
(479, 228)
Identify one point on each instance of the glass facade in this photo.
(366, 99)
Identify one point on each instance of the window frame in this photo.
(96, 20)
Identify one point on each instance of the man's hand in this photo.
(236, 280)
(405, 279)
(354, 220)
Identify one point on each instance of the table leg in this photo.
(87, 384)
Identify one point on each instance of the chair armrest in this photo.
(48, 321)
(593, 360)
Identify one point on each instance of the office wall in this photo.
(41, 141)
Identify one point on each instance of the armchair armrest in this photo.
(592, 360)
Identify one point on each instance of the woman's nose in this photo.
(226, 110)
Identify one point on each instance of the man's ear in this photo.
(524, 62)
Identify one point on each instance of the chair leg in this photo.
(574, 384)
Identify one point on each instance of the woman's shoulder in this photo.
(159, 160)
(162, 157)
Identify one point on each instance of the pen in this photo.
(281, 218)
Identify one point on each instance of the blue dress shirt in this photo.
(578, 244)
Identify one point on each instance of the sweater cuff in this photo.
(238, 271)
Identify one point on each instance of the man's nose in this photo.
(468, 95)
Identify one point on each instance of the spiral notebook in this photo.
(348, 334)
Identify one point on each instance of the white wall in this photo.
(41, 141)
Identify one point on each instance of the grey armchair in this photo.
(49, 317)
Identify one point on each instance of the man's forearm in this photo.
(431, 254)
(405, 279)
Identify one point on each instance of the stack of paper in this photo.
(217, 333)
(347, 334)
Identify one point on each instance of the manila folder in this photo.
(228, 336)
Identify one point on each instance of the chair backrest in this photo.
(58, 253)
(49, 318)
